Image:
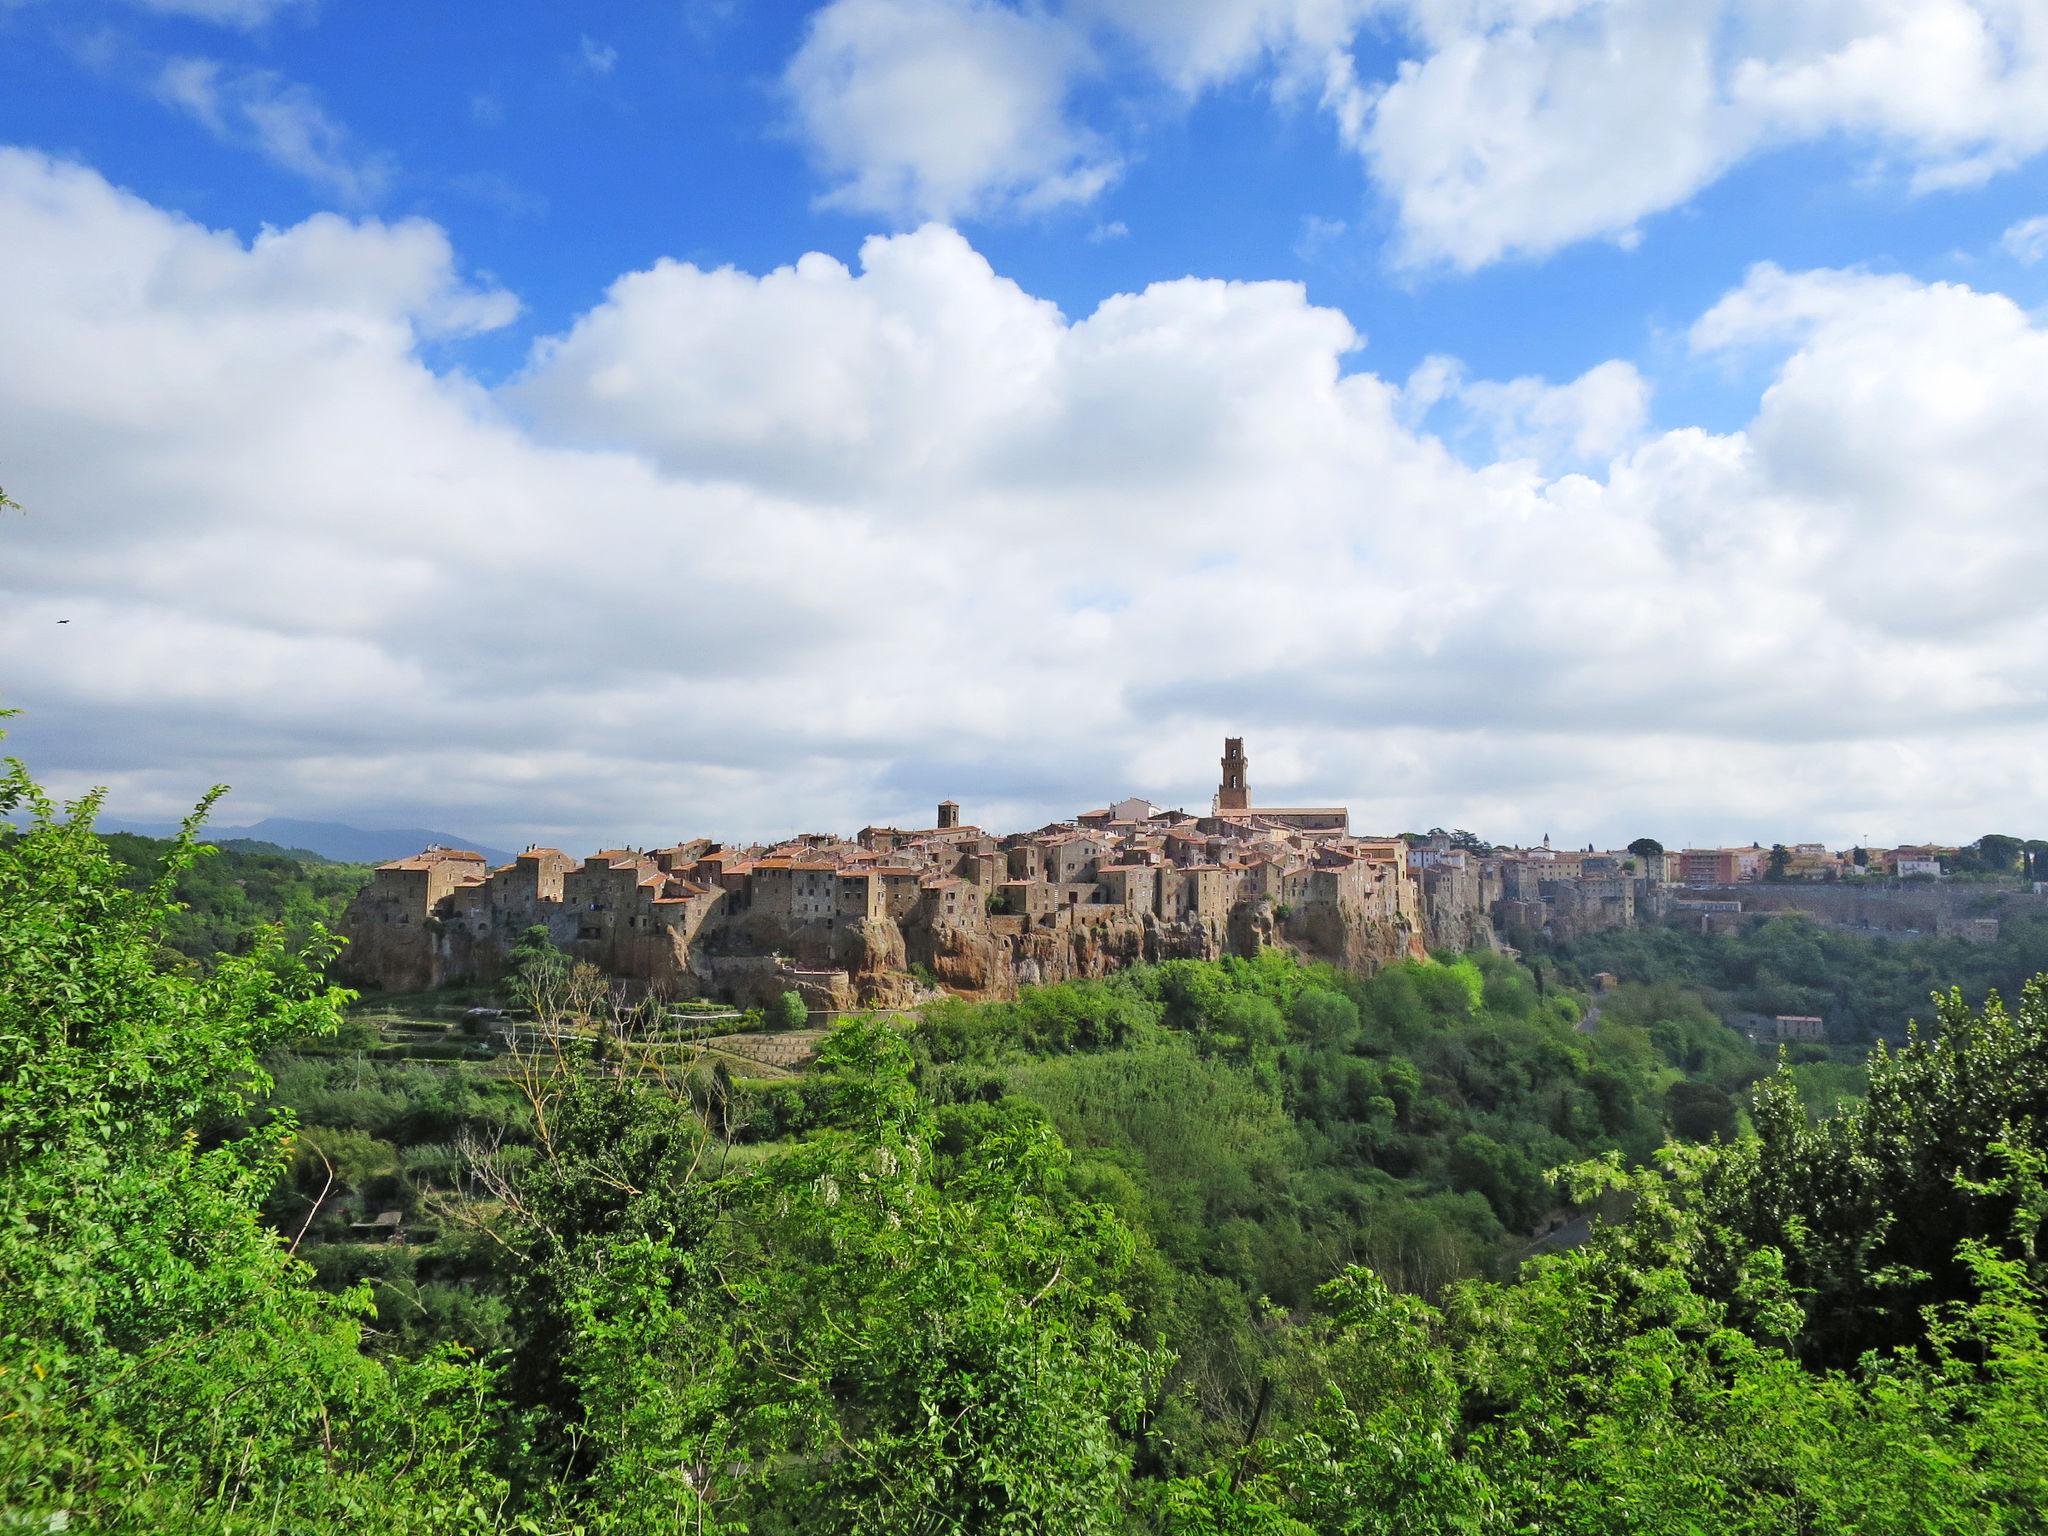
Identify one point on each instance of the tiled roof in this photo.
(427, 858)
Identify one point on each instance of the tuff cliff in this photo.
(878, 962)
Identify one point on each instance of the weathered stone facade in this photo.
(852, 923)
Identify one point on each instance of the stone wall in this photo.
(1883, 906)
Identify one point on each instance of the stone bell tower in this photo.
(1232, 794)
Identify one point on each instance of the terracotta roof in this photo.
(419, 861)
(682, 891)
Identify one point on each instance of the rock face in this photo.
(876, 962)
(1454, 914)
(1008, 953)
(883, 937)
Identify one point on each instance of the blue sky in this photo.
(561, 146)
(1458, 179)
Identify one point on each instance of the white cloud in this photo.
(1199, 43)
(742, 552)
(280, 119)
(939, 108)
(1508, 127)
(1582, 423)
(245, 14)
(1901, 418)
(906, 368)
(595, 57)
(1519, 126)
(2027, 241)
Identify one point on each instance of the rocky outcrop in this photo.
(1008, 953)
(1348, 938)
(749, 959)
(1454, 913)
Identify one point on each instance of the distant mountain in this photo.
(329, 839)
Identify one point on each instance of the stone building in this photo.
(846, 921)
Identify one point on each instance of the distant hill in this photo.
(328, 839)
(262, 849)
(244, 887)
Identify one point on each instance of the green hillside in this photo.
(229, 893)
(1245, 1247)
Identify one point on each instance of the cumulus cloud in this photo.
(1581, 423)
(280, 119)
(1507, 127)
(938, 108)
(739, 552)
(1522, 125)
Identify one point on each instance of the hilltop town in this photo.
(890, 913)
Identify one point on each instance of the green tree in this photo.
(1779, 861)
(1993, 854)
(1732, 1354)
(534, 962)
(790, 1011)
(1645, 847)
(164, 1362)
(847, 1336)
(1700, 1111)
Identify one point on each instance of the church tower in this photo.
(1232, 795)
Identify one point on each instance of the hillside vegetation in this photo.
(230, 892)
(1201, 1249)
(1866, 987)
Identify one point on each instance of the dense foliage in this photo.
(164, 1362)
(1207, 1248)
(1865, 986)
(1262, 1123)
(1832, 1328)
(229, 894)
